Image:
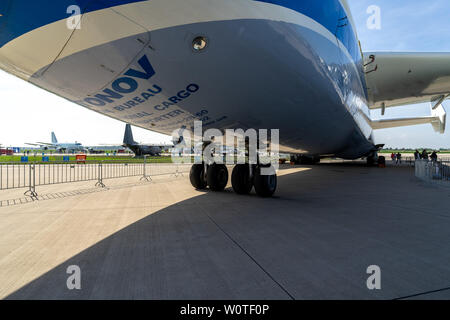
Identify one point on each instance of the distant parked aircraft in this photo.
(60, 147)
(142, 149)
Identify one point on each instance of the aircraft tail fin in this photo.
(54, 140)
(128, 137)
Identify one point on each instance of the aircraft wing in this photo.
(160, 145)
(46, 144)
(437, 119)
(395, 79)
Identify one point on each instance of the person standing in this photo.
(393, 157)
(399, 158)
(424, 154)
(434, 156)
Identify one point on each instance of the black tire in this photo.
(316, 160)
(217, 177)
(241, 180)
(197, 176)
(305, 160)
(309, 160)
(265, 185)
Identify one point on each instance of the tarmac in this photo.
(164, 240)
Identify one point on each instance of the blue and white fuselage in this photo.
(293, 65)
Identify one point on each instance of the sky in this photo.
(29, 114)
(407, 26)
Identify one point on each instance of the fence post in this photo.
(144, 175)
(177, 173)
(100, 176)
(31, 192)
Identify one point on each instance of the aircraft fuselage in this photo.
(279, 64)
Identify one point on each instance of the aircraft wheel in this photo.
(370, 161)
(197, 176)
(265, 185)
(217, 177)
(315, 160)
(305, 160)
(241, 180)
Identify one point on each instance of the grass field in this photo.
(130, 159)
(411, 151)
(93, 158)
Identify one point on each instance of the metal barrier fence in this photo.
(32, 175)
(404, 161)
(411, 161)
(433, 171)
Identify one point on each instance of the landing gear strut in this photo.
(244, 177)
(373, 159)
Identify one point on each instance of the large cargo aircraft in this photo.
(292, 65)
